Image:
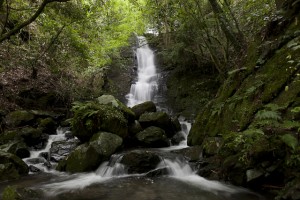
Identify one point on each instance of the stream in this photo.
(111, 181)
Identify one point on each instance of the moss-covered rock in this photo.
(142, 108)
(92, 117)
(153, 137)
(33, 136)
(106, 144)
(134, 128)
(83, 159)
(18, 148)
(16, 193)
(158, 119)
(11, 166)
(19, 118)
(48, 125)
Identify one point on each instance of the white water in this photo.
(146, 85)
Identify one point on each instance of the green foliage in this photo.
(10, 193)
(290, 141)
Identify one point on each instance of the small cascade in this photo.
(40, 162)
(146, 85)
(113, 168)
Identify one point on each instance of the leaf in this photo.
(290, 141)
(296, 109)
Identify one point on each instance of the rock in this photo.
(158, 172)
(16, 147)
(48, 126)
(60, 149)
(253, 174)
(142, 108)
(175, 124)
(34, 169)
(11, 166)
(44, 155)
(35, 161)
(158, 119)
(90, 118)
(134, 128)
(9, 136)
(111, 100)
(106, 144)
(178, 137)
(152, 137)
(192, 154)
(83, 159)
(33, 136)
(48, 114)
(140, 161)
(16, 193)
(19, 118)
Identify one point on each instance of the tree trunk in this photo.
(226, 26)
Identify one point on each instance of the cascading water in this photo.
(146, 85)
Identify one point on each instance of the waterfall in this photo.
(146, 85)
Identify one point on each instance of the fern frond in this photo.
(268, 115)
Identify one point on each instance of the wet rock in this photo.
(140, 161)
(33, 137)
(35, 161)
(190, 153)
(60, 149)
(158, 119)
(253, 174)
(178, 137)
(11, 166)
(175, 124)
(153, 137)
(34, 169)
(142, 108)
(19, 118)
(158, 172)
(83, 159)
(44, 155)
(16, 147)
(106, 144)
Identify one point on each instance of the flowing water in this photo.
(111, 180)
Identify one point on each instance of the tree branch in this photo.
(30, 20)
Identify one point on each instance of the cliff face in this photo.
(256, 113)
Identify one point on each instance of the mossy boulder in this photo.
(11, 166)
(142, 108)
(92, 117)
(18, 148)
(83, 159)
(48, 125)
(33, 136)
(16, 193)
(153, 137)
(111, 100)
(140, 161)
(106, 144)
(157, 119)
(134, 128)
(19, 118)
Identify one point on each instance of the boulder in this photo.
(158, 119)
(11, 166)
(178, 137)
(60, 149)
(19, 118)
(111, 100)
(140, 161)
(9, 136)
(48, 126)
(83, 159)
(18, 148)
(152, 137)
(134, 128)
(91, 117)
(175, 124)
(106, 144)
(142, 108)
(33, 137)
(192, 154)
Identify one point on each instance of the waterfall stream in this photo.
(111, 180)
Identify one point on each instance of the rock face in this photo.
(60, 149)
(153, 137)
(140, 161)
(11, 167)
(142, 108)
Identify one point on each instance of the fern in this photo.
(296, 109)
(268, 115)
(290, 141)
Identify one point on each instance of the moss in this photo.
(19, 118)
(10, 193)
